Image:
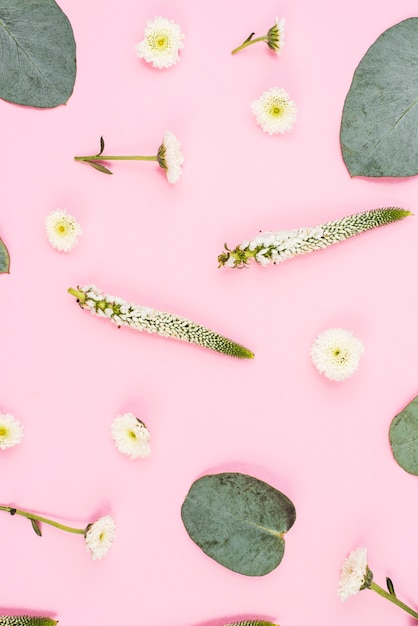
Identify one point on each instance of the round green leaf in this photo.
(239, 521)
(37, 53)
(4, 259)
(403, 437)
(380, 116)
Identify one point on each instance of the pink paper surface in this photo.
(65, 375)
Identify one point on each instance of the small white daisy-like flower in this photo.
(275, 36)
(336, 353)
(355, 574)
(131, 436)
(170, 157)
(62, 230)
(99, 536)
(274, 111)
(11, 431)
(161, 44)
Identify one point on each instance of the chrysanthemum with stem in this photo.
(98, 535)
(144, 318)
(161, 44)
(169, 157)
(26, 620)
(274, 38)
(131, 436)
(11, 431)
(336, 353)
(62, 230)
(355, 576)
(274, 111)
(274, 247)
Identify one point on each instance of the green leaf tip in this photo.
(143, 318)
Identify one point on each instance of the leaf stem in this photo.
(105, 157)
(247, 43)
(45, 520)
(393, 599)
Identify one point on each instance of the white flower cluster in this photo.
(11, 431)
(161, 44)
(274, 111)
(274, 247)
(62, 230)
(99, 536)
(131, 436)
(144, 318)
(170, 157)
(354, 573)
(336, 353)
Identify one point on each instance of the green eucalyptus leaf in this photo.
(36, 527)
(4, 259)
(37, 53)
(380, 117)
(403, 437)
(239, 521)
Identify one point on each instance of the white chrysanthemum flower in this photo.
(170, 157)
(161, 44)
(62, 230)
(354, 574)
(275, 36)
(99, 536)
(274, 111)
(11, 431)
(336, 353)
(131, 436)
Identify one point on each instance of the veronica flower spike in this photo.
(144, 318)
(274, 38)
(356, 575)
(169, 157)
(274, 247)
(98, 535)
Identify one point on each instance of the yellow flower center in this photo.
(161, 41)
(61, 228)
(276, 109)
(131, 434)
(4, 431)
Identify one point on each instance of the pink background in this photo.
(65, 375)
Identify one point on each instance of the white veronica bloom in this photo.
(62, 230)
(274, 111)
(99, 536)
(170, 157)
(354, 573)
(336, 353)
(131, 436)
(161, 44)
(11, 431)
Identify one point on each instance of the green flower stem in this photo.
(111, 157)
(393, 599)
(39, 518)
(248, 42)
